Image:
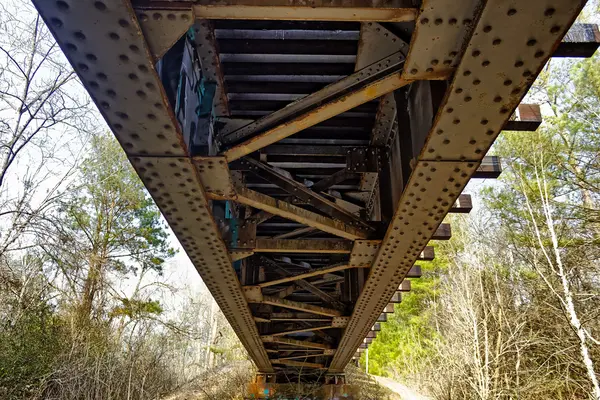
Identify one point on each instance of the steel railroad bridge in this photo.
(305, 153)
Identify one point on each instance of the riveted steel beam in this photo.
(305, 275)
(103, 42)
(295, 343)
(362, 86)
(293, 331)
(326, 297)
(300, 191)
(299, 306)
(324, 246)
(322, 10)
(502, 58)
(289, 211)
(302, 364)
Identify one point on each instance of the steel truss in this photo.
(305, 156)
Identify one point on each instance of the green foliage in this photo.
(111, 216)
(29, 349)
(135, 309)
(489, 322)
(59, 340)
(409, 335)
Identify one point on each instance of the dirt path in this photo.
(404, 392)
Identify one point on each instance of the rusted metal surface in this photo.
(294, 213)
(162, 29)
(347, 92)
(303, 364)
(301, 192)
(215, 176)
(310, 274)
(323, 10)
(387, 43)
(529, 32)
(405, 239)
(105, 45)
(206, 46)
(330, 246)
(304, 13)
(321, 113)
(297, 343)
(387, 168)
(310, 329)
(498, 68)
(442, 30)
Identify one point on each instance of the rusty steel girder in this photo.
(305, 156)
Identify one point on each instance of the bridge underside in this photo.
(306, 156)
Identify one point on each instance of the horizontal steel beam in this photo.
(299, 306)
(326, 297)
(490, 168)
(309, 274)
(274, 361)
(322, 10)
(405, 286)
(581, 41)
(296, 317)
(325, 246)
(289, 211)
(296, 232)
(527, 118)
(462, 205)
(296, 343)
(300, 191)
(301, 364)
(414, 272)
(443, 232)
(293, 331)
(317, 107)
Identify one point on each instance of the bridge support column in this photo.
(264, 386)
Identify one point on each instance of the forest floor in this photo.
(403, 391)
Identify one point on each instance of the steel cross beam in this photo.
(298, 214)
(373, 81)
(322, 10)
(302, 192)
(304, 284)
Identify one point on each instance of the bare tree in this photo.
(44, 117)
(549, 246)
